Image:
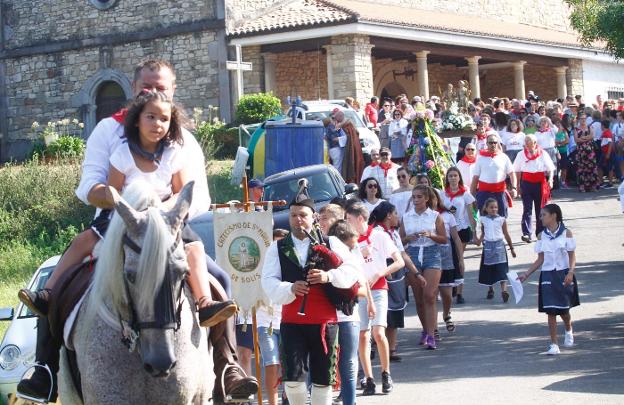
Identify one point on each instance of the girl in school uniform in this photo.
(558, 289)
(494, 233)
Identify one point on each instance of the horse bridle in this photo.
(167, 315)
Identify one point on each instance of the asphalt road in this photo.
(497, 353)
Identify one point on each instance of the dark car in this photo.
(324, 184)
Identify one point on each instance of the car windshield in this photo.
(39, 283)
(349, 114)
(320, 188)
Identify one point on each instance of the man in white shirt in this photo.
(490, 173)
(385, 172)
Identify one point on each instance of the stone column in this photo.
(330, 71)
(519, 80)
(252, 82)
(270, 83)
(350, 67)
(575, 81)
(423, 73)
(473, 76)
(562, 87)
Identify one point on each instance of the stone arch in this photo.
(392, 90)
(384, 79)
(85, 99)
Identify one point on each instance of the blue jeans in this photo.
(348, 338)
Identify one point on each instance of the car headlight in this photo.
(9, 357)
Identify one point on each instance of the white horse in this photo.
(139, 296)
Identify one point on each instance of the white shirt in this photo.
(401, 201)
(108, 135)
(415, 223)
(449, 223)
(265, 319)
(618, 131)
(359, 262)
(381, 247)
(159, 179)
(555, 251)
(621, 192)
(369, 206)
(493, 170)
(542, 164)
(596, 129)
(546, 139)
(513, 140)
(461, 203)
(467, 171)
(281, 291)
(388, 183)
(398, 129)
(492, 228)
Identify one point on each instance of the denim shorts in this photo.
(269, 346)
(380, 300)
(431, 257)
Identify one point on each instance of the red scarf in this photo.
(532, 156)
(485, 153)
(366, 237)
(387, 230)
(484, 134)
(469, 160)
(374, 164)
(385, 167)
(120, 116)
(452, 195)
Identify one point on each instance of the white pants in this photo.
(336, 154)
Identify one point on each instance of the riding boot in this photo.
(38, 386)
(236, 384)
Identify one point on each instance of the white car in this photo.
(17, 351)
(318, 110)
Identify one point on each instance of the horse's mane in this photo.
(108, 283)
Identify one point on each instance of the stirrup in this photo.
(34, 399)
(229, 399)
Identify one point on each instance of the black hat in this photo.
(302, 199)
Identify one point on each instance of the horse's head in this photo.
(154, 269)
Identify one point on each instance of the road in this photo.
(496, 354)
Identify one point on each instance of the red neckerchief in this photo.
(484, 135)
(544, 131)
(385, 167)
(452, 195)
(387, 230)
(366, 237)
(120, 116)
(374, 164)
(485, 153)
(469, 160)
(532, 156)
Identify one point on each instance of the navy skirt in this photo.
(553, 298)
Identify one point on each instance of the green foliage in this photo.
(253, 108)
(58, 139)
(66, 146)
(221, 190)
(599, 21)
(205, 134)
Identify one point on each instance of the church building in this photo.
(74, 58)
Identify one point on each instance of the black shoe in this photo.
(505, 296)
(454, 291)
(386, 382)
(36, 301)
(526, 238)
(216, 312)
(394, 357)
(38, 387)
(490, 294)
(460, 299)
(369, 389)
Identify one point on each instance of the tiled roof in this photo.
(297, 14)
(301, 14)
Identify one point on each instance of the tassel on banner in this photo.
(270, 331)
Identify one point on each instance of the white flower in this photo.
(35, 125)
(75, 121)
(80, 125)
(64, 121)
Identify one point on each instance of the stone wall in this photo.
(574, 77)
(253, 82)
(352, 70)
(301, 74)
(40, 87)
(542, 80)
(39, 21)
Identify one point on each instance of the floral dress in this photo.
(587, 171)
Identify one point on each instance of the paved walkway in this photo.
(496, 355)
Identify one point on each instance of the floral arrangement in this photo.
(453, 120)
(60, 138)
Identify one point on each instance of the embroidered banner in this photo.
(241, 241)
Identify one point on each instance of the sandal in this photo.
(490, 294)
(450, 326)
(505, 295)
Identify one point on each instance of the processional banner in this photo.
(241, 241)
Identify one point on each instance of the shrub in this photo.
(254, 108)
(58, 139)
(66, 146)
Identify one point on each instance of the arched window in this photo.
(109, 98)
(103, 4)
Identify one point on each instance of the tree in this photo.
(599, 21)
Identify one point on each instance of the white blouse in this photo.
(467, 171)
(513, 140)
(401, 201)
(492, 227)
(555, 251)
(461, 204)
(546, 139)
(415, 223)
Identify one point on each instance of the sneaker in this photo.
(369, 389)
(431, 343)
(423, 338)
(394, 357)
(386, 382)
(362, 383)
(36, 301)
(38, 387)
(569, 339)
(460, 299)
(526, 238)
(553, 350)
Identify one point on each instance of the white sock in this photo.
(321, 395)
(297, 392)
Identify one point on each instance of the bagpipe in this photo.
(322, 258)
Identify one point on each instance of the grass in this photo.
(40, 215)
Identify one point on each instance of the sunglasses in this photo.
(383, 154)
(470, 149)
(371, 186)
